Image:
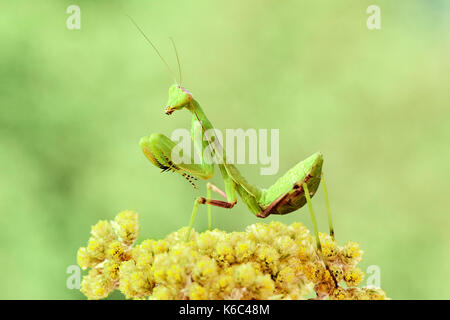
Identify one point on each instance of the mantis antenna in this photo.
(154, 47)
(178, 59)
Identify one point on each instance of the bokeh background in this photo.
(74, 104)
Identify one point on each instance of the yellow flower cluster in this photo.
(109, 246)
(267, 261)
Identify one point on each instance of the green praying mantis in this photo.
(289, 193)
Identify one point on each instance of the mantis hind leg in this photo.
(313, 216)
(316, 232)
(325, 192)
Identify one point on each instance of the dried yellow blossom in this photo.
(197, 292)
(96, 285)
(351, 253)
(353, 277)
(267, 261)
(109, 247)
(126, 226)
(162, 293)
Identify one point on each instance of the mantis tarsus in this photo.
(289, 193)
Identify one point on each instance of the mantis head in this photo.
(179, 98)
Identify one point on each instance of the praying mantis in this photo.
(289, 193)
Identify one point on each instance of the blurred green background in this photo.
(74, 104)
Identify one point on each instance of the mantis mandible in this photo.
(289, 193)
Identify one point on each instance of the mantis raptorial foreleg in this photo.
(158, 149)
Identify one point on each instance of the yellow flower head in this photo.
(197, 292)
(351, 253)
(353, 276)
(267, 261)
(205, 270)
(126, 226)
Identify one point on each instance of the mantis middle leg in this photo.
(209, 202)
(210, 187)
